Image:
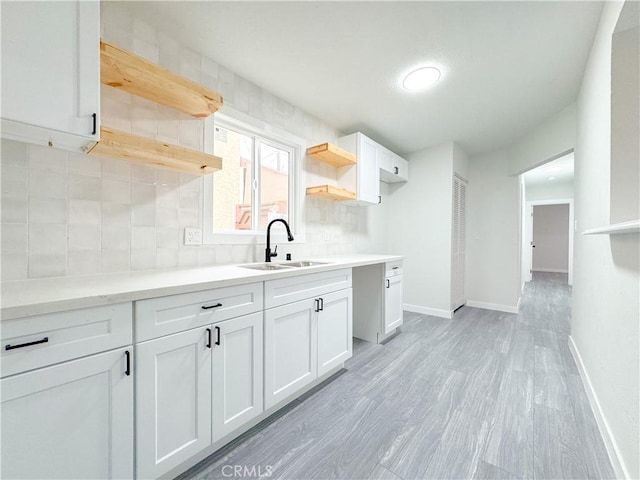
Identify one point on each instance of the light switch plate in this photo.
(192, 236)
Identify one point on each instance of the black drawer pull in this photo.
(388, 283)
(395, 170)
(321, 304)
(217, 335)
(28, 344)
(208, 338)
(212, 306)
(317, 301)
(127, 370)
(395, 268)
(94, 116)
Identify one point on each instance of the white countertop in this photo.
(40, 296)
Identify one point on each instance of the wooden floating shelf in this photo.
(332, 193)
(331, 154)
(133, 74)
(133, 148)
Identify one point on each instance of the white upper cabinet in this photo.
(364, 176)
(393, 168)
(375, 163)
(51, 72)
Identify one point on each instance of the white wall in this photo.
(551, 139)
(66, 214)
(551, 238)
(419, 226)
(493, 224)
(605, 325)
(549, 191)
(625, 122)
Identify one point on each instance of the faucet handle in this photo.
(275, 251)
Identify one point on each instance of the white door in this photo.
(51, 65)
(392, 303)
(290, 349)
(173, 400)
(237, 373)
(71, 420)
(368, 173)
(335, 330)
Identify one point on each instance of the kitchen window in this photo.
(257, 182)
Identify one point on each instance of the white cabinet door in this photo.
(71, 420)
(392, 303)
(237, 373)
(335, 330)
(368, 173)
(51, 72)
(290, 348)
(173, 400)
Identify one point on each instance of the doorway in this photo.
(551, 237)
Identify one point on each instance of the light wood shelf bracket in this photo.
(331, 154)
(126, 146)
(332, 193)
(133, 74)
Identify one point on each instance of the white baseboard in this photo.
(609, 441)
(436, 312)
(551, 270)
(494, 306)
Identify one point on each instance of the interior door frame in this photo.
(529, 233)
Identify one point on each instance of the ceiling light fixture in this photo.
(551, 178)
(421, 79)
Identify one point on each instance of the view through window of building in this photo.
(254, 184)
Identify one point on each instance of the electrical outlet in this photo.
(192, 236)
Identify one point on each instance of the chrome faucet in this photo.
(267, 253)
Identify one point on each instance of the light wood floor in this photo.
(486, 395)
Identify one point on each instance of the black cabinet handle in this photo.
(95, 123)
(208, 338)
(217, 335)
(395, 170)
(28, 344)
(321, 304)
(212, 306)
(379, 199)
(395, 268)
(127, 370)
(388, 283)
(317, 309)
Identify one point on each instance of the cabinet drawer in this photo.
(393, 268)
(292, 289)
(161, 316)
(35, 342)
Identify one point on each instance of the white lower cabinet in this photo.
(290, 349)
(392, 303)
(70, 420)
(335, 330)
(304, 340)
(237, 373)
(173, 400)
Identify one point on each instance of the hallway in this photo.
(487, 395)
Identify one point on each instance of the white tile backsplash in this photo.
(66, 213)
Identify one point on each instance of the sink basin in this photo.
(265, 266)
(304, 263)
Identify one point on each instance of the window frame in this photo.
(270, 135)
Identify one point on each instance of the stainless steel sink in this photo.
(266, 266)
(304, 263)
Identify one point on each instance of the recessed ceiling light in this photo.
(551, 178)
(421, 78)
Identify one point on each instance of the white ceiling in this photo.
(557, 171)
(506, 66)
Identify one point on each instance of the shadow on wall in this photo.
(625, 252)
